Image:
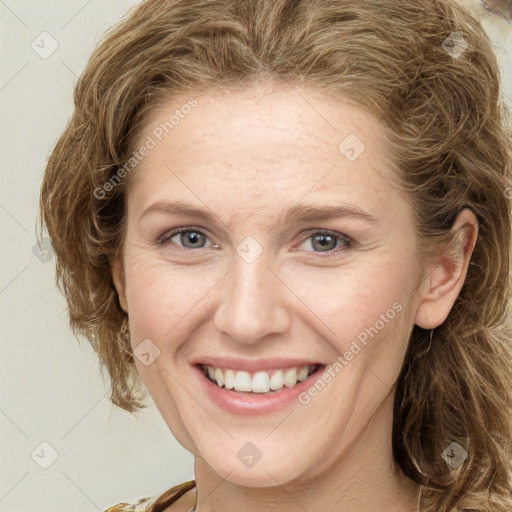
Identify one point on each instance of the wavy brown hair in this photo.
(450, 148)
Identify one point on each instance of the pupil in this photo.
(191, 236)
(324, 240)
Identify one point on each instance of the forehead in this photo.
(265, 146)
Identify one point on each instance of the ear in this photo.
(118, 276)
(446, 275)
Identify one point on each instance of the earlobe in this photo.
(118, 277)
(445, 278)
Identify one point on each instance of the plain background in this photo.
(51, 390)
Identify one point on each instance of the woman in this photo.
(289, 221)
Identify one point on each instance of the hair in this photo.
(449, 147)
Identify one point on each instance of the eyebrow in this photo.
(301, 212)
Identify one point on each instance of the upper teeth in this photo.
(261, 382)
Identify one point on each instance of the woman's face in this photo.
(260, 280)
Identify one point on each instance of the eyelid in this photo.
(165, 239)
(329, 232)
(345, 240)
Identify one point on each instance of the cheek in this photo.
(364, 302)
(362, 314)
(348, 300)
(164, 298)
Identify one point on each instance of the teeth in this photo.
(303, 374)
(243, 381)
(219, 377)
(276, 381)
(229, 379)
(290, 377)
(261, 381)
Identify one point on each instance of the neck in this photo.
(364, 478)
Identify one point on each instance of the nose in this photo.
(252, 302)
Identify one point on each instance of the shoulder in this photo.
(141, 505)
(154, 503)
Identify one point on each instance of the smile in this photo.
(263, 381)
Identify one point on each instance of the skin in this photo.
(246, 156)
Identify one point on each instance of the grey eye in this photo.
(322, 241)
(194, 238)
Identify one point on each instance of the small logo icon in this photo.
(454, 455)
(44, 45)
(454, 45)
(44, 455)
(351, 147)
(44, 252)
(249, 249)
(249, 455)
(146, 352)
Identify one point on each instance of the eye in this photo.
(326, 241)
(189, 237)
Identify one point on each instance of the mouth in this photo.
(259, 382)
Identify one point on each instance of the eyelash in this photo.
(345, 241)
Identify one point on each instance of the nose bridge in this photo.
(251, 302)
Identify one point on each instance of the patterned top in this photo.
(152, 504)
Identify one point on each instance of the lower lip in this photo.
(238, 402)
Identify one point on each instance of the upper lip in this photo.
(252, 365)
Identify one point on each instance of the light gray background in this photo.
(51, 390)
